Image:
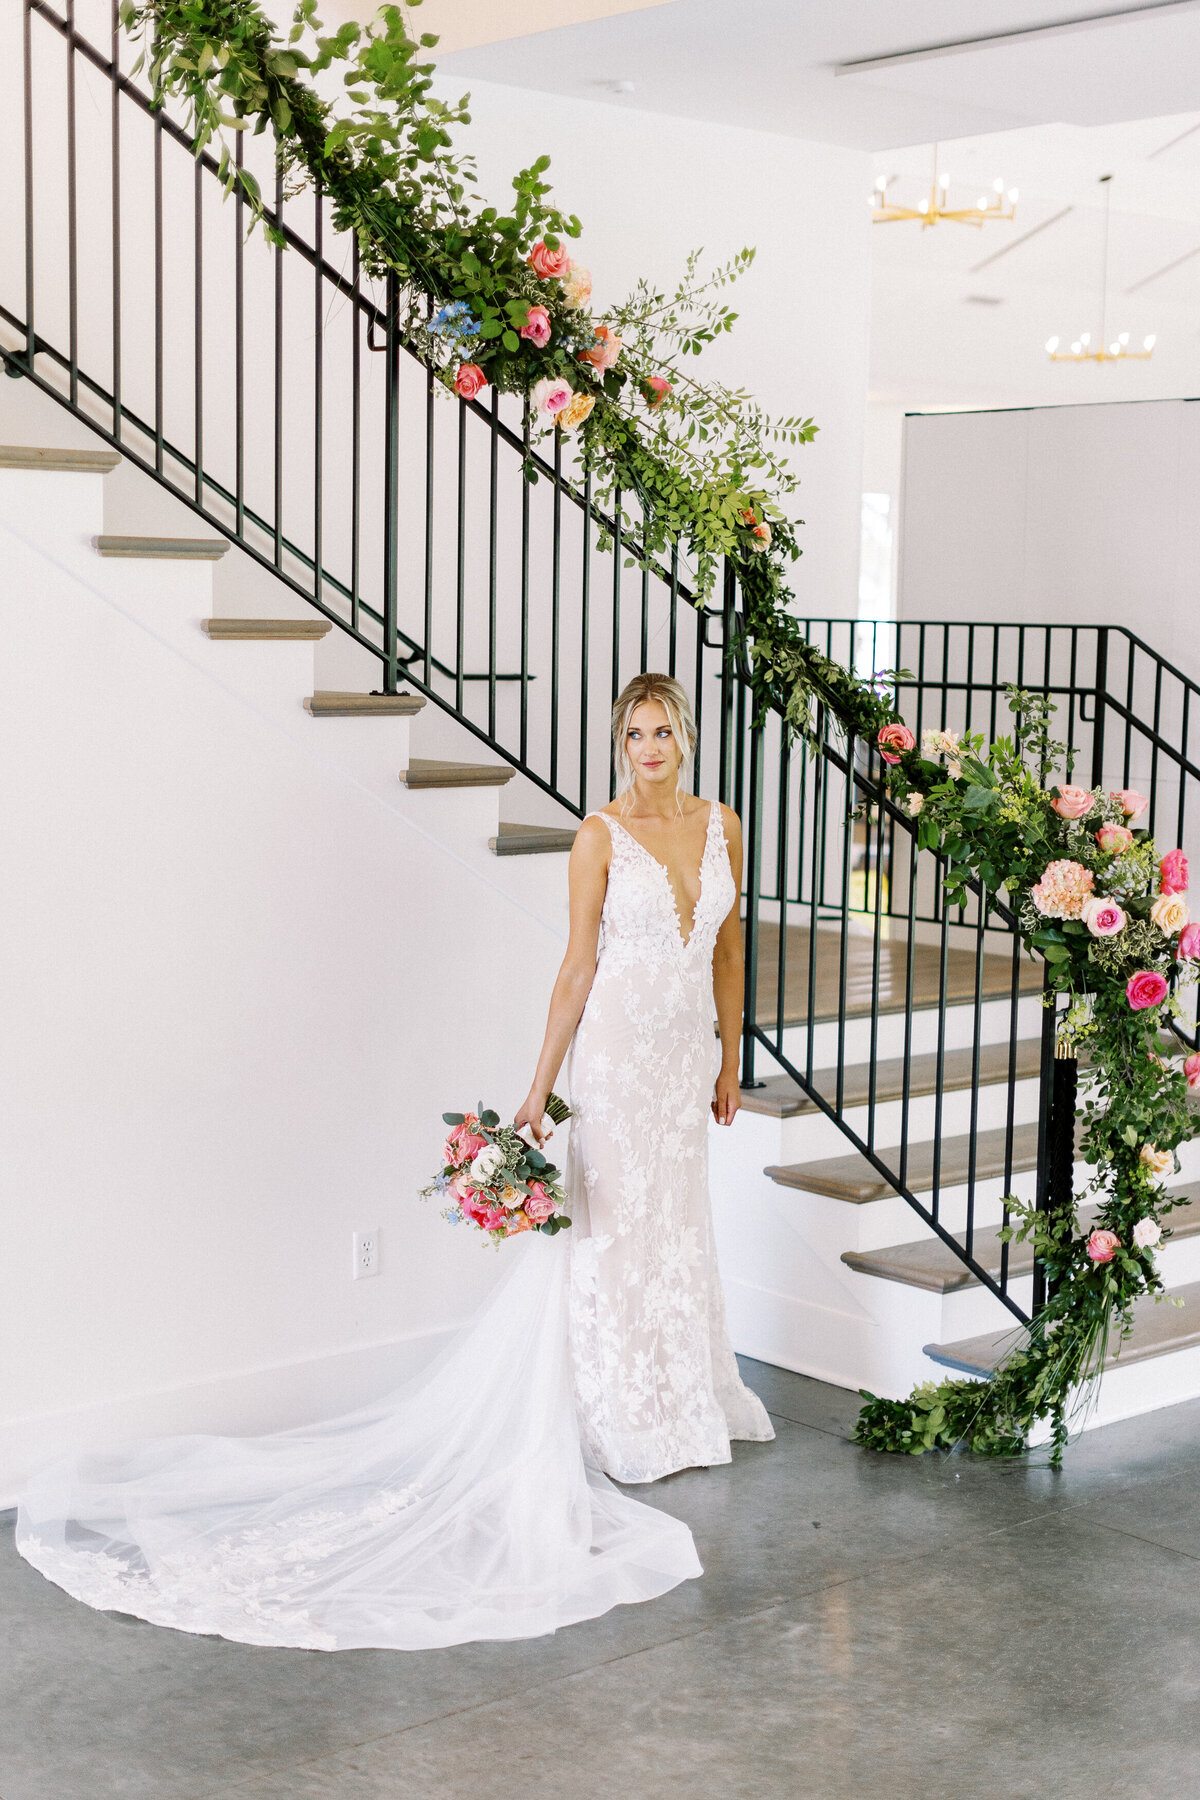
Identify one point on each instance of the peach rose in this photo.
(1132, 804)
(1116, 839)
(1158, 1162)
(659, 387)
(605, 350)
(1103, 1245)
(1073, 802)
(575, 411)
(577, 286)
(551, 265)
(469, 380)
(914, 803)
(518, 1222)
(1169, 913)
(537, 327)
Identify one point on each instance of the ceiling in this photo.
(868, 75)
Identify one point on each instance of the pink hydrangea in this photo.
(1103, 1245)
(1146, 988)
(1173, 873)
(1132, 804)
(1063, 890)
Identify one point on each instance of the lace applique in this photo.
(656, 1382)
(238, 1589)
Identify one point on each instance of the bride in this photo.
(475, 1502)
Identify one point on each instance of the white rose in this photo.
(1146, 1233)
(914, 804)
(489, 1160)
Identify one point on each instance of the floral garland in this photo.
(1106, 911)
(495, 299)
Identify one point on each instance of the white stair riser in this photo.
(56, 512)
(1139, 1387)
(809, 1137)
(995, 1018)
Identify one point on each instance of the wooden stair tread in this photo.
(782, 1098)
(860, 975)
(170, 549)
(1158, 1329)
(530, 840)
(65, 462)
(424, 772)
(299, 629)
(328, 703)
(852, 1177)
(932, 1265)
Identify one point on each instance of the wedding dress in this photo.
(471, 1504)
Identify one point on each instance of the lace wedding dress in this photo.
(471, 1504)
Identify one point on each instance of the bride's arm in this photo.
(588, 875)
(729, 982)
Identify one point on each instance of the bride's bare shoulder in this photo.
(592, 839)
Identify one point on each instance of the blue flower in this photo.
(454, 321)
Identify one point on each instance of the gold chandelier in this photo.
(1118, 350)
(935, 208)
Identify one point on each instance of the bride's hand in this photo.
(727, 1097)
(533, 1114)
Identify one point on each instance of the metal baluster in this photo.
(198, 327)
(318, 390)
(239, 346)
(493, 526)
(72, 215)
(116, 227)
(391, 485)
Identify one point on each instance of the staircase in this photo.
(450, 637)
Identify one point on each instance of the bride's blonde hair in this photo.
(678, 708)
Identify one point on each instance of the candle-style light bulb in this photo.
(1051, 346)
(998, 184)
(1149, 343)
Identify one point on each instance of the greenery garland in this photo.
(493, 298)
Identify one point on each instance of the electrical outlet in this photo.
(366, 1253)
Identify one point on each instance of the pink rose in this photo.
(463, 1145)
(893, 740)
(1073, 802)
(1188, 946)
(1173, 873)
(537, 327)
(655, 389)
(552, 395)
(1102, 1246)
(1103, 918)
(1146, 988)
(469, 380)
(1191, 1070)
(494, 1218)
(605, 351)
(1131, 804)
(551, 265)
(540, 1205)
(1114, 838)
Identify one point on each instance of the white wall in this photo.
(1072, 514)
(241, 985)
(648, 189)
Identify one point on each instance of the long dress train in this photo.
(470, 1503)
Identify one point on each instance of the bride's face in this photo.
(651, 745)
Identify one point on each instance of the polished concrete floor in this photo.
(868, 1628)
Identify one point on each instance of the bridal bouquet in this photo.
(495, 1180)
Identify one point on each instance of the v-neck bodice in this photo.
(641, 920)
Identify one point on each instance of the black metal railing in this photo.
(270, 390)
